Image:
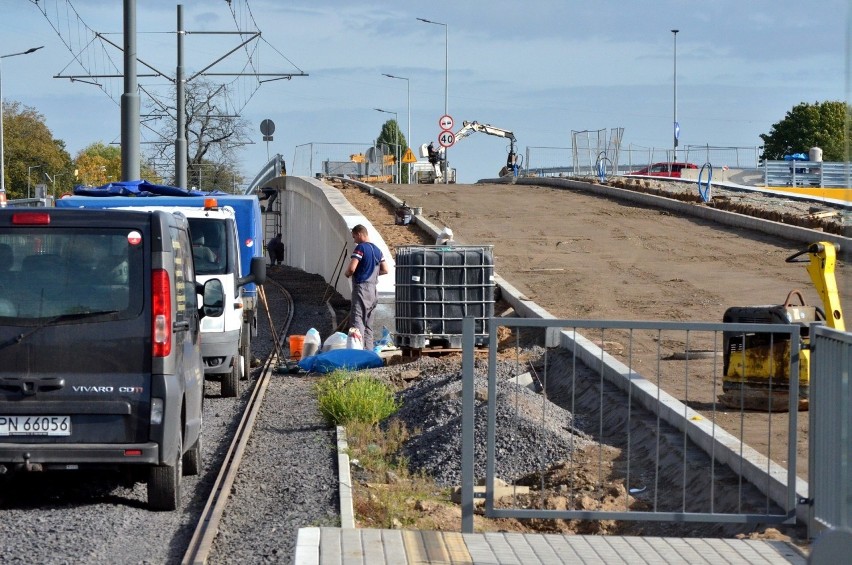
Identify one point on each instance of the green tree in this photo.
(395, 142)
(99, 164)
(821, 124)
(30, 152)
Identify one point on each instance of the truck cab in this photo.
(224, 247)
(216, 249)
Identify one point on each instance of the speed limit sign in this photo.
(446, 139)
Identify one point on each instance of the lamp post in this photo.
(53, 181)
(675, 126)
(396, 151)
(446, 81)
(28, 177)
(408, 89)
(2, 157)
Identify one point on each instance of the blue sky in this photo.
(540, 69)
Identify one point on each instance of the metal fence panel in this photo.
(806, 173)
(667, 460)
(830, 446)
(549, 162)
(636, 157)
(360, 160)
(580, 160)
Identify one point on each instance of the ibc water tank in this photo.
(437, 286)
(815, 154)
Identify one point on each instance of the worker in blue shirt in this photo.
(365, 265)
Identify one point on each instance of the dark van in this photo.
(100, 356)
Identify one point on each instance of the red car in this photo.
(665, 169)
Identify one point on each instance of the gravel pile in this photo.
(432, 406)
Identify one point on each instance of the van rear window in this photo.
(209, 246)
(75, 274)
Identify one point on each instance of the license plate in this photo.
(35, 425)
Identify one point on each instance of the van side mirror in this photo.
(257, 274)
(213, 304)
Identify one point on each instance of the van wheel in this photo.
(164, 483)
(231, 381)
(192, 460)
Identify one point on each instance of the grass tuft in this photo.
(345, 398)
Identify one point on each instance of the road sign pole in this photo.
(446, 138)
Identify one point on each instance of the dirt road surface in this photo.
(581, 256)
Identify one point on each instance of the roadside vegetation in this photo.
(385, 493)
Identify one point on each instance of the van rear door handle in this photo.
(180, 326)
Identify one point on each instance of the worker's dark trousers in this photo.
(364, 299)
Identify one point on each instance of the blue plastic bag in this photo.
(343, 359)
(384, 341)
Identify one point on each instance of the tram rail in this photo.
(207, 528)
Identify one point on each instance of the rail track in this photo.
(207, 527)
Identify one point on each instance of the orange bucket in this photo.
(296, 343)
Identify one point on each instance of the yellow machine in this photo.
(757, 365)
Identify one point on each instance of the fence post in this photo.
(468, 408)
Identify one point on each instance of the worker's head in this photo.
(359, 234)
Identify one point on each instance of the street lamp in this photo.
(28, 177)
(2, 157)
(446, 80)
(408, 88)
(53, 181)
(675, 126)
(396, 151)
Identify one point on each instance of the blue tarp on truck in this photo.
(143, 193)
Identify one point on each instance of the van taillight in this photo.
(161, 328)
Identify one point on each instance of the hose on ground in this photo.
(704, 187)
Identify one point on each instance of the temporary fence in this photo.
(651, 456)
(364, 161)
(636, 156)
(580, 160)
(806, 173)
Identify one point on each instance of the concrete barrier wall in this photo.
(317, 222)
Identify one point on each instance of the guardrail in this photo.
(806, 173)
(654, 458)
(30, 202)
(274, 168)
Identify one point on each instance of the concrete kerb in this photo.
(344, 481)
(768, 477)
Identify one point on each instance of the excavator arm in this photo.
(471, 127)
